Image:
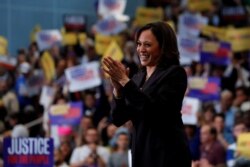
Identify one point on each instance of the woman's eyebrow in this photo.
(144, 41)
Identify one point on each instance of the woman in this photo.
(154, 92)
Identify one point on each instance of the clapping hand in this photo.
(117, 72)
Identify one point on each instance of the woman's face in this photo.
(148, 48)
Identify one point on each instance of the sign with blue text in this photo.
(28, 152)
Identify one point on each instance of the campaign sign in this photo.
(243, 145)
(205, 89)
(189, 110)
(110, 26)
(83, 77)
(66, 114)
(8, 62)
(47, 38)
(74, 22)
(189, 49)
(215, 52)
(111, 7)
(191, 24)
(28, 152)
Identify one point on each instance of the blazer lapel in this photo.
(139, 78)
(155, 78)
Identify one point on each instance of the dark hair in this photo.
(166, 38)
(244, 89)
(213, 131)
(221, 115)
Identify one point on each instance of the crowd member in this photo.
(119, 157)
(226, 107)
(90, 153)
(212, 152)
(239, 128)
(59, 159)
(224, 136)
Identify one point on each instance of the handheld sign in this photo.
(28, 152)
(66, 114)
(47, 38)
(83, 77)
(243, 145)
(189, 110)
(215, 52)
(205, 89)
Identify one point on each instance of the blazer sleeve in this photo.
(168, 95)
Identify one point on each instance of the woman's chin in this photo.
(143, 63)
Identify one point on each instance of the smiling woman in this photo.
(155, 91)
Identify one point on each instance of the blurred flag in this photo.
(146, 15)
(8, 62)
(190, 107)
(48, 66)
(110, 26)
(66, 114)
(200, 5)
(189, 49)
(215, 52)
(83, 76)
(205, 89)
(114, 8)
(47, 96)
(35, 30)
(47, 38)
(3, 46)
(191, 24)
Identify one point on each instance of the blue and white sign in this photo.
(28, 152)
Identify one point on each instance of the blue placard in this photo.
(211, 91)
(70, 114)
(28, 152)
(218, 57)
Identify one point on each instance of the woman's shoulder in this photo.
(173, 71)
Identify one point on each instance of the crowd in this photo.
(96, 141)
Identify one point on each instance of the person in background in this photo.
(198, 70)
(207, 114)
(193, 135)
(91, 152)
(239, 128)
(21, 56)
(226, 107)
(59, 159)
(33, 55)
(96, 104)
(119, 157)
(90, 53)
(85, 124)
(22, 86)
(130, 59)
(212, 152)
(224, 136)
(241, 96)
(8, 100)
(235, 75)
(66, 151)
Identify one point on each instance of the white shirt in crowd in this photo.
(81, 153)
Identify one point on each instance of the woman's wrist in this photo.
(117, 93)
(124, 81)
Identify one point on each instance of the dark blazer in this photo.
(158, 138)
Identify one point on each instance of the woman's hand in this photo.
(117, 72)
